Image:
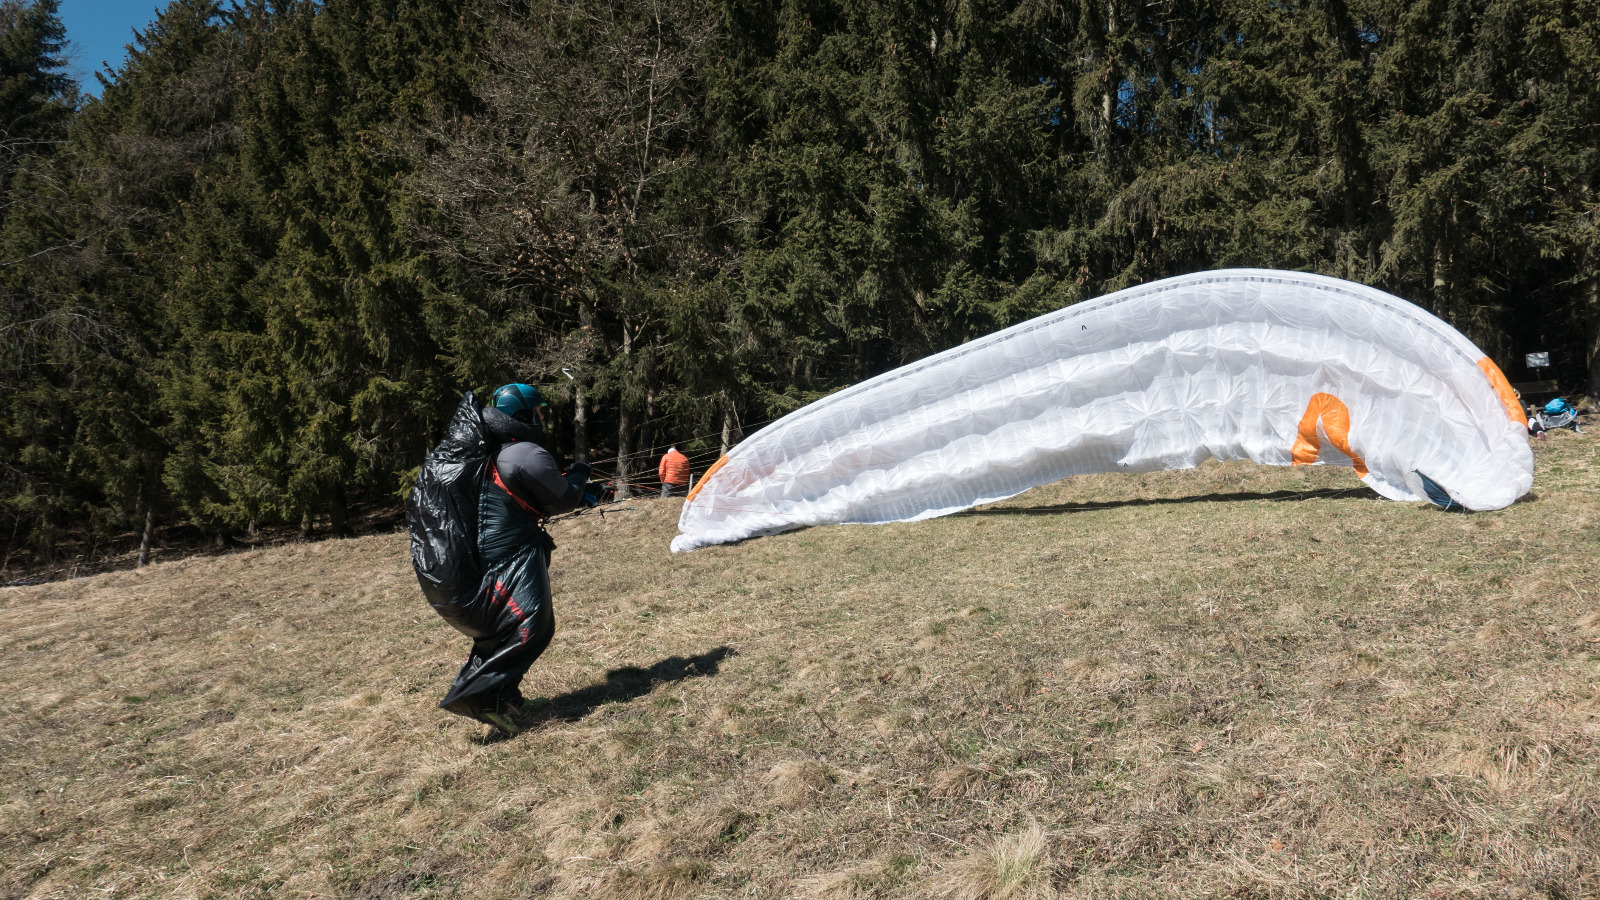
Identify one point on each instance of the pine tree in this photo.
(349, 348)
(246, 284)
(46, 330)
(1484, 154)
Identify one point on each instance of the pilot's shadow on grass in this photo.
(622, 685)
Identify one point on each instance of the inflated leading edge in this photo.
(1281, 368)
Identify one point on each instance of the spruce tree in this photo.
(47, 332)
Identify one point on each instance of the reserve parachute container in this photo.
(1280, 368)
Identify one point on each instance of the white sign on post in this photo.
(1539, 360)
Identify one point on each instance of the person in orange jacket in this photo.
(674, 471)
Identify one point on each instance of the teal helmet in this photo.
(519, 401)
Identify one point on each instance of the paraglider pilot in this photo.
(674, 472)
(480, 548)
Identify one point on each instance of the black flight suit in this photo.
(524, 487)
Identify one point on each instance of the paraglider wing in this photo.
(1280, 368)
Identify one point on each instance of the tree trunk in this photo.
(727, 424)
(624, 430)
(338, 512)
(1592, 295)
(649, 430)
(11, 545)
(580, 422)
(580, 398)
(1594, 338)
(623, 450)
(144, 540)
(1108, 100)
(1441, 285)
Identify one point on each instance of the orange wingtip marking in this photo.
(1502, 387)
(705, 478)
(1335, 418)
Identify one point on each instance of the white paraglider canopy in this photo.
(1280, 368)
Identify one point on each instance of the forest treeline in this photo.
(246, 284)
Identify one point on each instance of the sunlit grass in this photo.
(1105, 687)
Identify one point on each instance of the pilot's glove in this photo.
(578, 474)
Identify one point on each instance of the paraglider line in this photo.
(645, 451)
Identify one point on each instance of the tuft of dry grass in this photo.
(798, 782)
(1095, 670)
(861, 881)
(957, 781)
(1589, 627)
(1501, 762)
(657, 881)
(1228, 681)
(1010, 867)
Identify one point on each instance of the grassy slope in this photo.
(1321, 696)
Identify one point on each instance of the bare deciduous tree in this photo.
(552, 194)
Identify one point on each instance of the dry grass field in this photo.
(1229, 681)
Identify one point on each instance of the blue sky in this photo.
(98, 30)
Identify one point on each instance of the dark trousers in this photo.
(496, 667)
(668, 489)
(513, 607)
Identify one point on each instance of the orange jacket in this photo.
(674, 468)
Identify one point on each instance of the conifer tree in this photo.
(46, 330)
(246, 284)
